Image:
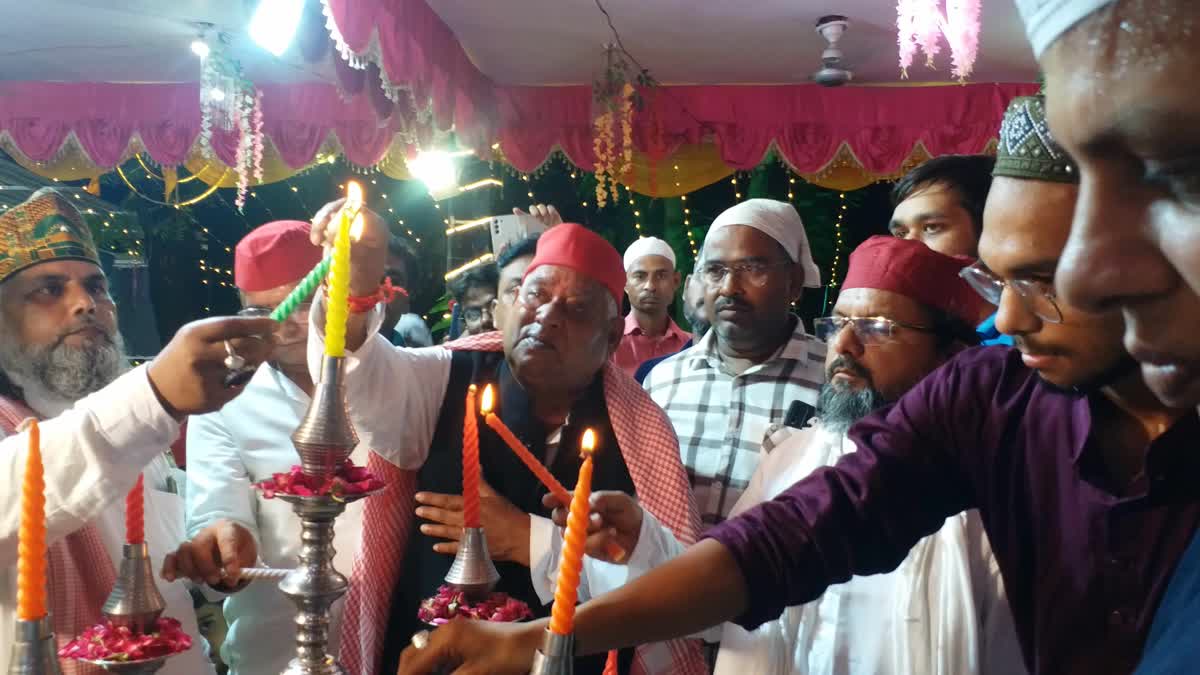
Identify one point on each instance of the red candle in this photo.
(610, 666)
(543, 474)
(566, 592)
(135, 513)
(471, 470)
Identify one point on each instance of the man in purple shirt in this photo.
(1085, 482)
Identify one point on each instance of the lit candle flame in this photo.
(587, 444)
(356, 228)
(486, 401)
(354, 196)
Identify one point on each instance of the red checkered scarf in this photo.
(81, 573)
(658, 476)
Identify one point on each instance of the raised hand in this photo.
(614, 525)
(188, 375)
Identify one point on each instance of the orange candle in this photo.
(471, 470)
(31, 537)
(610, 666)
(135, 513)
(566, 593)
(543, 474)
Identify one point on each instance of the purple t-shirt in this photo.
(1084, 568)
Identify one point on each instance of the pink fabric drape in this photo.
(298, 118)
(418, 51)
(806, 123)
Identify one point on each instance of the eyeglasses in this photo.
(756, 273)
(260, 310)
(871, 330)
(476, 313)
(1037, 296)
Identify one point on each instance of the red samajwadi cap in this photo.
(274, 254)
(912, 269)
(576, 247)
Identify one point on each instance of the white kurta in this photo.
(941, 612)
(92, 455)
(243, 443)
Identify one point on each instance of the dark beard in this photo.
(840, 406)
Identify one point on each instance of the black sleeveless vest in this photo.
(424, 570)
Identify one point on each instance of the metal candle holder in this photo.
(135, 602)
(472, 571)
(556, 656)
(34, 651)
(324, 439)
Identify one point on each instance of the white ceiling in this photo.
(710, 41)
(512, 41)
(129, 41)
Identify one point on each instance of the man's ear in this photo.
(797, 289)
(616, 331)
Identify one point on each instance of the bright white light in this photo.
(216, 94)
(436, 170)
(200, 48)
(274, 23)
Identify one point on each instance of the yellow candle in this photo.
(566, 592)
(31, 537)
(338, 311)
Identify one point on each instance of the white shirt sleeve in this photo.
(218, 482)
(393, 394)
(656, 545)
(92, 456)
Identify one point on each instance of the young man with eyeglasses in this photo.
(474, 291)
(723, 392)
(1084, 481)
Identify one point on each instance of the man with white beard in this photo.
(61, 360)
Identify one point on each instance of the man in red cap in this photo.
(551, 370)
(246, 442)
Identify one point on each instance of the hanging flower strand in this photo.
(616, 96)
(920, 25)
(258, 137)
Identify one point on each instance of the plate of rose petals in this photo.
(105, 644)
(348, 481)
(450, 604)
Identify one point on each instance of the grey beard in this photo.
(60, 371)
(840, 406)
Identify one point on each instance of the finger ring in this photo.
(233, 360)
(420, 639)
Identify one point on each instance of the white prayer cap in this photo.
(645, 246)
(1047, 20)
(779, 221)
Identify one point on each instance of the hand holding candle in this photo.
(31, 537)
(471, 469)
(543, 474)
(135, 513)
(566, 593)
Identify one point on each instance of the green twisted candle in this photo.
(303, 290)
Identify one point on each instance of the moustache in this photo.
(535, 331)
(87, 323)
(724, 303)
(849, 365)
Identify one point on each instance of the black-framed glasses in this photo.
(755, 273)
(871, 330)
(1037, 296)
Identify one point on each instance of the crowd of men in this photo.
(980, 461)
